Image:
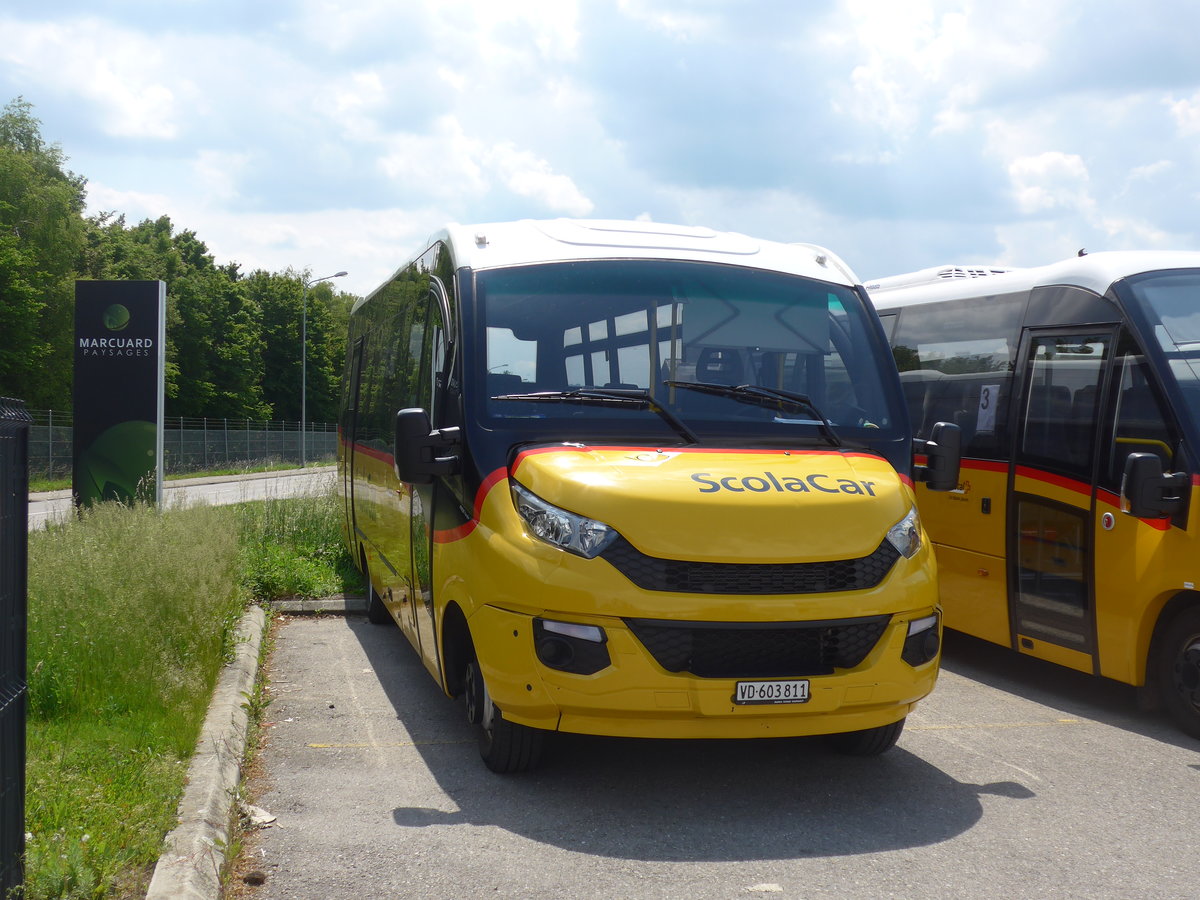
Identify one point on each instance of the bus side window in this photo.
(956, 366)
(1140, 424)
(1060, 416)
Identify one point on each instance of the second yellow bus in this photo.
(1077, 387)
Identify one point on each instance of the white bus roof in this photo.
(558, 240)
(1094, 271)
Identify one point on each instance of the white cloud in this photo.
(217, 173)
(1186, 113)
(1050, 181)
(677, 25)
(443, 163)
(528, 176)
(136, 205)
(325, 134)
(118, 70)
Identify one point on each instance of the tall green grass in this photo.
(132, 612)
(294, 548)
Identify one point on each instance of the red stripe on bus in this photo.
(583, 448)
(1108, 497)
(449, 535)
(1070, 484)
(985, 465)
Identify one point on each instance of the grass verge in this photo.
(131, 615)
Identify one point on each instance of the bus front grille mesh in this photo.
(758, 649)
(654, 574)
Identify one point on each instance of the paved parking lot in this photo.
(1014, 779)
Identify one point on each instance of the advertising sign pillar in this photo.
(120, 356)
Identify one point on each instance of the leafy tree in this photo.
(214, 349)
(233, 342)
(42, 236)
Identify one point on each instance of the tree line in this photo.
(233, 339)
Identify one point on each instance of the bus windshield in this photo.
(1169, 303)
(680, 335)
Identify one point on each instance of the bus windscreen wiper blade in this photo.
(637, 398)
(770, 398)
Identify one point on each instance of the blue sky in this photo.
(325, 136)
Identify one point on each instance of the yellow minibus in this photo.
(1077, 389)
(633, 479)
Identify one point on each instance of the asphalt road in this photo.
(55, 506)
(1014, 779)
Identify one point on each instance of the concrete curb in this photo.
(338, 605)
(194, 855)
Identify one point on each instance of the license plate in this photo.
(751, 692)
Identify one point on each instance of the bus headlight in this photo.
(905, 535)
(566, 530)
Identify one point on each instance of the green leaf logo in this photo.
(116, 317)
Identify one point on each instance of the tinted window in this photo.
(956, 361)
(639, 324)
(1062, 402)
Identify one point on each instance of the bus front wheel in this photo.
(504, 746)
(1179, 669)
(869, 741)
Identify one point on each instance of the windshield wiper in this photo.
(637, 398)
(770, 398)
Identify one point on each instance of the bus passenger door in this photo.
(423, 497)
(1052, 494)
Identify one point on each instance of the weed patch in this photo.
(132, 612)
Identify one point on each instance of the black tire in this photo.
(869, 741)
(377, 613)
(504, 746)
(1178, 665)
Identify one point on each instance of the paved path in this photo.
(54, 506)
(1015, 779)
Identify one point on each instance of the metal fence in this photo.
(14, 437)
(192, 444)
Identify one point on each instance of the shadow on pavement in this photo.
(675, 800)
(1086, 696)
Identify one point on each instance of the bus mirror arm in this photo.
(943, 453)
(1149, 493)
(421, 452)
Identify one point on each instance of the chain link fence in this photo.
(14, 509)
(192, 444)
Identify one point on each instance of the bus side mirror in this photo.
(1148, 493)
(421, 453)
(943, 452)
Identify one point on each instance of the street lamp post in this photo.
(304, 363)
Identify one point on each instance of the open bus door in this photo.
(1053, 508)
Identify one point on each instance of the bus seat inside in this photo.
(1046, 421)
(505, 383)
(719, 365)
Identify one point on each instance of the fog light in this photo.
(555, 652)
(570, 646)
(923, 641)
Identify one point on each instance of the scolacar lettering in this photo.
(769, 482)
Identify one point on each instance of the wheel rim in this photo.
(473, 698)
(480, 709)
(1187, 671)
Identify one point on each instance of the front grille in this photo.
(654, 574)
(758, 649)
